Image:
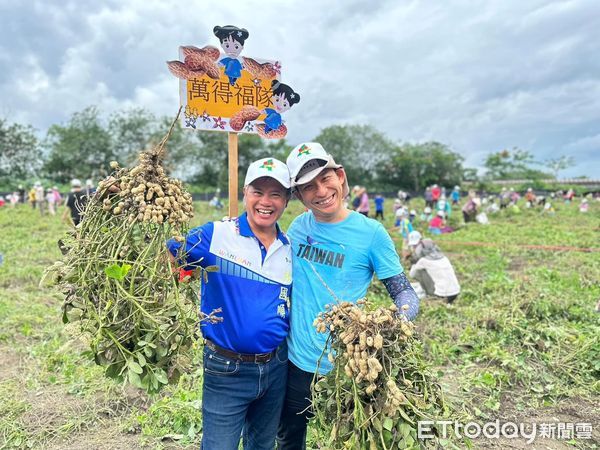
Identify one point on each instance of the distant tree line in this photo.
(84, 146)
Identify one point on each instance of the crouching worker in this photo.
(245, 355)
(420, 247)
(432, 269)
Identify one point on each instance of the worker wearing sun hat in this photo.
(245, 355)
(40, 197)
(432, 269)
(75, 203)
(420, 247)
(336, 252)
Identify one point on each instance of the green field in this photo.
(522, 342)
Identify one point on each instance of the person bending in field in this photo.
(432, 269)
(420, 247)
(245, 355)
(336, 252)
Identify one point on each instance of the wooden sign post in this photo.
(233, 174)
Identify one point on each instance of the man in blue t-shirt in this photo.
(245, 355)
(336, 252)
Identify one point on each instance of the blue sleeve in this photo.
(197, 245)
(384, 258)
(403, 294)
(273, 119)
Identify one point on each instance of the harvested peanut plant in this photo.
(379, 386)
(119, 283)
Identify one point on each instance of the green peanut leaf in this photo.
(135, 367)
(161, 376)
(134, 379)
(117, 272)
(388, 424)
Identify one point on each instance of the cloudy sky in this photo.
(478, 76)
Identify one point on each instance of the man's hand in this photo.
(108, 186)
(112, 185)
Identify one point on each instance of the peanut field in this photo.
(521, 343)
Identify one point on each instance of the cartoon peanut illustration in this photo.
(240, 118)
(264, 71)
(197, 63)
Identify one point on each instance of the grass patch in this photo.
(522, 336)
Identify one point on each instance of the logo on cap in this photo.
(304, 150)
(268, 165)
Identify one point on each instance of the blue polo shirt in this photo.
(251, 285)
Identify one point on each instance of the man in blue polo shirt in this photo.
(245, 355)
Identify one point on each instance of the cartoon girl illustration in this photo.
(283, 99)
(232, 41)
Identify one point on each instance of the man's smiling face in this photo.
(265, 200)
(324, 194)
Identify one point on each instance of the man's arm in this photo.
(402, 294)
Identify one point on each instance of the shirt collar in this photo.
(245, 229)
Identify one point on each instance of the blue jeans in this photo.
(240, 396)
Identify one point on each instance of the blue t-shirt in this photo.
(379, 203)
(233, 68)
(343, 256)
(252, 285)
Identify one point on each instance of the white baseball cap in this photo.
(75, 182)
(268, 167)
(414, 237)
(308, 160)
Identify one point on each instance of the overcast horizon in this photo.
(504, 74)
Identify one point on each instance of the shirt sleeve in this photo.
(197, 244)
(383, 255)
(419, 265)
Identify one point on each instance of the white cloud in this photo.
(483, 78)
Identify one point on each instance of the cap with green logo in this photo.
(268, 167)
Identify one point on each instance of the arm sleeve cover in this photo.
(402, 294)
